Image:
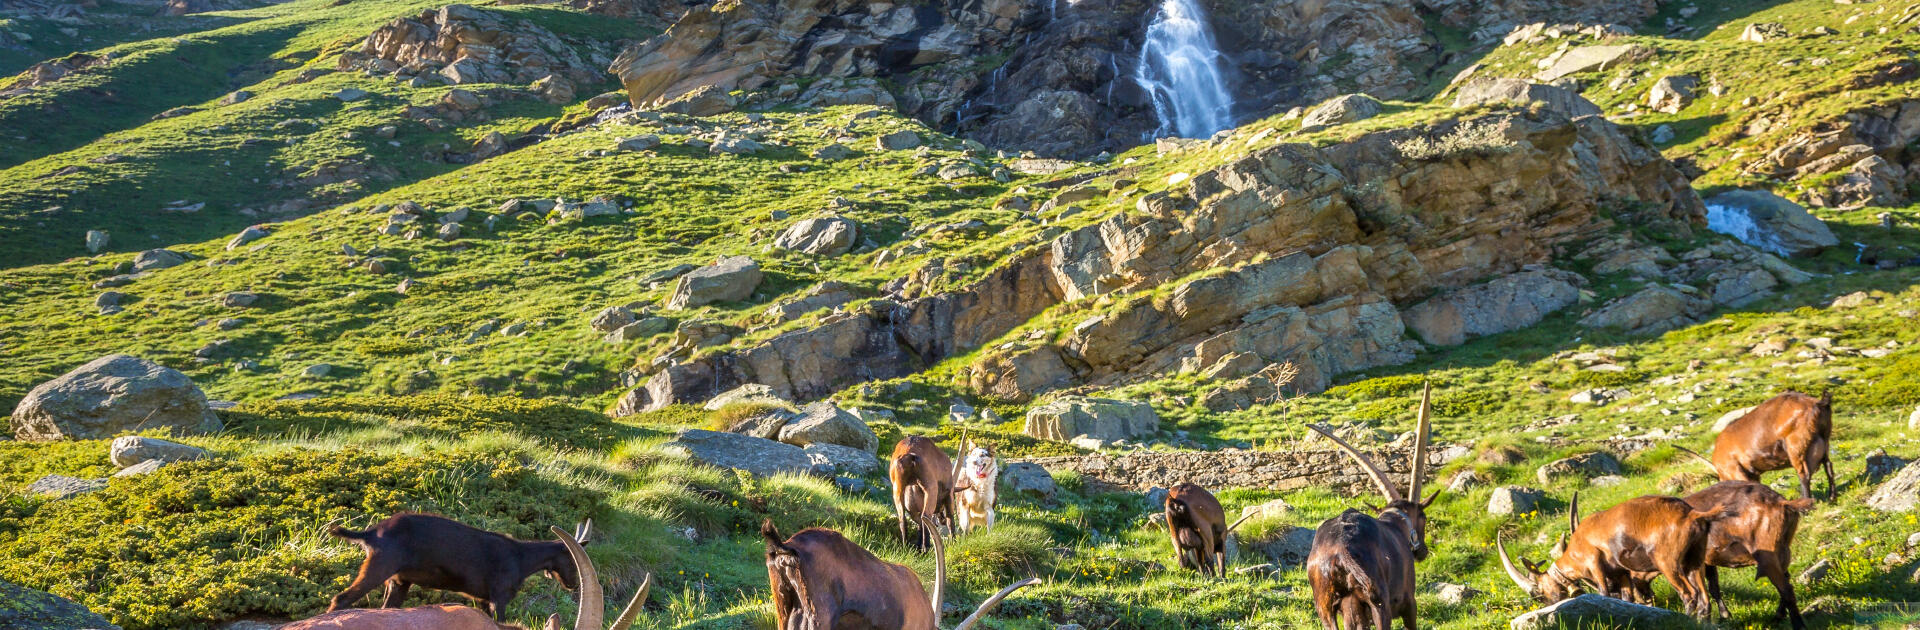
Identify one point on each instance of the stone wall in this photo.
(1272, 470)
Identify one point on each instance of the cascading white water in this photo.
(1181, 72)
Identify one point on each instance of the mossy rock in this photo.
(22, 607)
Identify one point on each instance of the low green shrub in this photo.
(547, 421)
(1379, 387)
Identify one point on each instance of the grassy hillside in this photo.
(479, 391)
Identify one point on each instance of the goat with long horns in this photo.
(823, 581)
(1361, 566)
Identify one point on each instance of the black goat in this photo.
(410, 549)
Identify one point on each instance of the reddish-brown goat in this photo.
(1650, 534)
(1758, 535)
(454, 617)
(1361, 566)
(1198, 526)
(1792, 430)
(822, 581)
(410, 549)
(922, 477)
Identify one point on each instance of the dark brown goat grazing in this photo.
(1198, 526)
(1651, 534)
(410, 549)
(822, 581)
(922, 477)
(1361, 566)
(1792, 430)
(452, 617)
(1759, 535)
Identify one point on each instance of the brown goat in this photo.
(1361, 566)
(1198, 526)
(1759, 534)
(1650, 534)
(410, 549)
(454, 617)
(822, 581)
(922, 477)
(1792, 430)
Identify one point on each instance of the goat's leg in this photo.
(1826, 461)
(373, 572)
(900, 510)
(1712, 575)
(1381, 616)
(1325, 606)
(396, 592)
(1774, 567)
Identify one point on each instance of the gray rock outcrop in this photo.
(730, 279)
(1098, 418)
(820, 236)
(825, 423)
(129, 450)
(757, 456)
(1500, 305)
(1769, 222)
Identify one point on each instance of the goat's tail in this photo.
(1696, 454)
(1709, 516)
(350, 534)
(1800, 506)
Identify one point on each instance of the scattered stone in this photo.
(1514, 500)
(731, 279)
(251, 234)
(63, 487)
(1341, 110)
(748, 393)
(837, 459)
(128, 450)
(1456, 594)
(1759, 32)
(758, 457)
(1671, 94)
(317, 370)
(1899, 493)
(640, 143)
(1286, 546)
(1585, 58)
(611, 318)
(112, 395)
(1651, 310)
(832, 152)
(239, 299)
(1815, 572)
(820, 236)
(1029, 479)
(898, 140)
(765, 425)
(157, 259)
(1587, 465)
(1465, 481)
(97, 240)
(141, 468)
(1484, 91)
(644, 328)
(824, 422)
(350, 95)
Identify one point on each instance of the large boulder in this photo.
(1341, 110)
(1029, 479)
(611, 318)
(1487, 91)
(730, 279)
(1900, 493)
(128, 450)
(1671, 94)
(759, 457)
(22, 607)
(1507, 303)
(1098, 418)
(825, 423)
(1653, 309)
(1599, 612)
(822, 236)
(112, 395)
(157, 259)
(1769, 222)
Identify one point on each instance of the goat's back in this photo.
(888, 595)
(439, 617)
(918, 462)
(1762, 520)
(1637, 530)
(1354, 554)
(1191, 507)
(438, 552)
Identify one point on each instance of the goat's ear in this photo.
(1826, 398)
(583, 533)
(1430, 498)
(767, 531)
(1371, 507)
(553, 622)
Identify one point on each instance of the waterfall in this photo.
(1181, 72)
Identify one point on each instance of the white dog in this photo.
(976, 489)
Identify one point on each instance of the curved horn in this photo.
(592, 604)
(1386, 485)
(1525, 580)
(632, 611)
(994, 601)
(1573, 513)
(1420, 444)
(939, 565)
(1236, 524)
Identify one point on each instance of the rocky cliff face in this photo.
(1290, 256)
(1057, 78)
